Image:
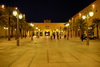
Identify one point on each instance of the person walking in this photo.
(51, 37)
(82, 37)
(58, 36)
(54, 35)
(64, 36)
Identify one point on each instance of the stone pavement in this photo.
(43, 52)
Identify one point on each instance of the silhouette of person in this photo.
(82, 37)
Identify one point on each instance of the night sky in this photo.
(54, 10)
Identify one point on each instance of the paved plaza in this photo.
(44, 52)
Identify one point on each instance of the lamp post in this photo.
(67, 25)
(32, 32)
(89, 14)
(18, 16)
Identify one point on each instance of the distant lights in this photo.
(5, 28)
(67, 24)
(39, 29)
(16, 8)
(36, 28)
(84, 17)
(89, 28)
(32, 24)
(56, 29)
(3, 6)
(93, 5)
(53, 30)
(79, 14)
(69, 20)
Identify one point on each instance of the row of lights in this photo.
(15, 13)
(6, 28)
(91, 13)
(35, 28)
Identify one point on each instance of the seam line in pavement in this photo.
(17, 58)
(47, 56)
(88, 56)
(32, 58)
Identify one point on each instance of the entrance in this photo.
(41, 34)
(47, 33)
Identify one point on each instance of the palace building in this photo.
(47, 28)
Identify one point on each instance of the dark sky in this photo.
(55, 10)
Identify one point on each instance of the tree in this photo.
(24, 27)
(6, 18)
(96, 21)
(82, 25)
(76, 28)
(3, 18)
(13, 25)
(8, 12)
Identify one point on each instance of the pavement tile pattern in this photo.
(44, 52)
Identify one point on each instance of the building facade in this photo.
(47, 28)
(91, 12)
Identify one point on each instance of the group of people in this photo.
(57, 36)
(54, 36)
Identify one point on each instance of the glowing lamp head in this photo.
(93, 5)
(91, 13)
(56, 29)
(3, 6)
(84, 17)
(36, 27)
(20, 16)
(32, 24)
(15, 13)
(67, 24)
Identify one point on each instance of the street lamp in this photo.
(67, 25)
(90, 14)
(18, 16)
(84, 17)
